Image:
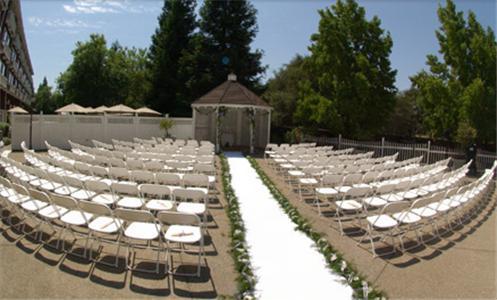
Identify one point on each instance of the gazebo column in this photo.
(252, 128)
(217, 129)
(269, 127)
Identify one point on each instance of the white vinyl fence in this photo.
(58, 129)
(431, 153)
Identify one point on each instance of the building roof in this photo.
(231, 93)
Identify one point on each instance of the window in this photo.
(2, 68)
(6, 37)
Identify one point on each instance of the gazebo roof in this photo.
(231, 93)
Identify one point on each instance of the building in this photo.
(16, 71)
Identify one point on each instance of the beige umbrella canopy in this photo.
(18, 110)
(72, 108)
(120, 109)
(100, 110)
(147, 111)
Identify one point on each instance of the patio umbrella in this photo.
(18, 110)
(120, 109)
(146, 111)
(100, 110)
(72, 108)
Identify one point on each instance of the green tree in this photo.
(171, 41)
(43, 99)
(86, 80)
(227, 28)
(458, 92)
(282, 91)
(351, 73)
(104, 76)
(404, 120)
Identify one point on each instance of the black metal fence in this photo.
(430, 153)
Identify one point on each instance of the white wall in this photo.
(57, 129)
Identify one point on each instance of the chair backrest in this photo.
(352, 178)
(99, 171)
(394, 207)
(64, 201)
(198, 180)
(133, 215)
(185, 194)
(134, 164)
(116, 162)
(39, 195)
(204, 168)
(142, 176)
(94, 208)
(157, 190)
(332, 180)
(385, 188)
(97, 186)
(81, 167)
(358, 192)
(154, 165)
(20, 189)
(73, 181)
(5, 182)
(168, 178)
(123, 188)
(119, 173)
(178, 218)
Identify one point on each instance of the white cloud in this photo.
(62, 23)
(108, 6)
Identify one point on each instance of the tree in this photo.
(86, 80)
(351, 74)
(227, 28)
(458, 92)
(171, 41)
(44, 101)
(404, 120)
(104, 76)
(282, 92)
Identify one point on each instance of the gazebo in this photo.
(232, 115)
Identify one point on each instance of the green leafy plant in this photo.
(166, 125)
(4, 129)
(239, 249)
(336, 262)
(6, 141)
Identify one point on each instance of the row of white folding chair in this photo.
(84, 171)
(142, 155)
(335, 186)
(123, 194)
(386, 168)
(132, 225)
(102, 145)
(391, 171)
(186, 164)
(155, 166)
(387, 171)
(396, 219)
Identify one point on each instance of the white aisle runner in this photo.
(285, 261)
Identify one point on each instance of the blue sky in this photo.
(53, 27)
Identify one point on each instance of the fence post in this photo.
(428, 152)
(382, 144)
(339, 140)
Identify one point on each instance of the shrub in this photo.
(6, 141)
(4, 128)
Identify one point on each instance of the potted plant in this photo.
(166, 124)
